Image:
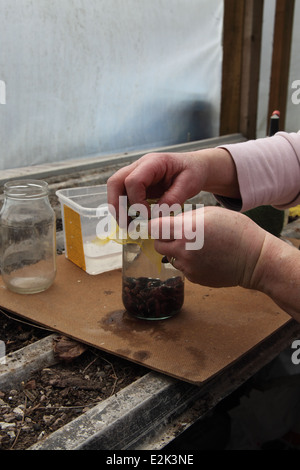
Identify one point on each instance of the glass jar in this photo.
(28, 237)
(151, 290)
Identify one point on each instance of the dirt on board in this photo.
(55, 395)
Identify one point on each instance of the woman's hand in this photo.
(232, 244)
(172, 178)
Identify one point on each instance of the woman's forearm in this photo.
(221, 174)
(277, 274)
(268, 170)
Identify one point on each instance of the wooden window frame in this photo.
(242, 42)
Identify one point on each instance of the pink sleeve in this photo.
(268, 170)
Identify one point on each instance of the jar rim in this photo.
(26, 189)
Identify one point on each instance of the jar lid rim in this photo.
(26, 188)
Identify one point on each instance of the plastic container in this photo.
(82, 209)
(28, 237)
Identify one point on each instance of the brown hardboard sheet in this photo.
(215, 327)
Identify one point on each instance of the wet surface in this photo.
(121, 322)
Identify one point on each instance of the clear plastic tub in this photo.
(82, 209)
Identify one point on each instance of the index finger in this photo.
(116, 187)
(139, 181)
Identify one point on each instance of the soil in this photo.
(56, 395)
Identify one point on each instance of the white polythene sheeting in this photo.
(89, 77)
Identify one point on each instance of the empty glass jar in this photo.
(28, 237)
(151, 290)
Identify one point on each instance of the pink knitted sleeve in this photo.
(268, 171)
